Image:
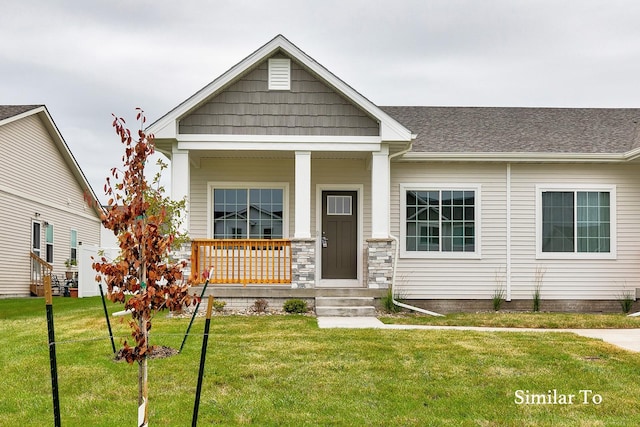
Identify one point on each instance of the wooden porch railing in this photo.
(253, 261)
(39, 270)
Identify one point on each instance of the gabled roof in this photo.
(8, 111)
(390, 129)
(592, 132)
(11, 113)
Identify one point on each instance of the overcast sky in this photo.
(88, 59)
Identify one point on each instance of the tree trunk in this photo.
(143, 390)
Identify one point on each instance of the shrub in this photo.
(260, 305)
(218, 305)
(295, 305)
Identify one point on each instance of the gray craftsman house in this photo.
(299, 185)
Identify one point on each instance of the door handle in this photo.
(325, 242)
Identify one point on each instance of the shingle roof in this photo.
(7, 111)
(526, 130)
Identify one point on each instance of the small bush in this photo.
(260, 305)
(218, 305)
(295, 306)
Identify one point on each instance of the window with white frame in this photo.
(577, 221)
(73, 255)
(248, 213)
(48, 229)
(439, 221)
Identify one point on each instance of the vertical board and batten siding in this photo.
(277, 170)
(454, 278)
(577, 278)
(247, 107)
(37, 179)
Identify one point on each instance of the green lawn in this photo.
(520, 320)
(283, 370)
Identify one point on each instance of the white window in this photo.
(440, 221)
(248, 211)
(48, 228)
(339, 205)
(575, 221)
(73, 255)
(279, 74)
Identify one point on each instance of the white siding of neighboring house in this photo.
(563, 279)
(35, 178)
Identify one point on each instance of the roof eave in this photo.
(516, 157)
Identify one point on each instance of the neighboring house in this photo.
(478, 198)
(42, 200)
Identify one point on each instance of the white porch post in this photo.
(303, 195)
(180, 180)
(380, 193)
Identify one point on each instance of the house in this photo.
(45, 217)
(445, 205)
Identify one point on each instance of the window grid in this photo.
(576, 221)
(440, 221)
(248, 213)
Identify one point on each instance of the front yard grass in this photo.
(284, 371)
(519, 320)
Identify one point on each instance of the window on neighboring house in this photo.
(440, 221)
(49, 243)
(35, 238)
(248, 213)
(576, 221)
(74, 246)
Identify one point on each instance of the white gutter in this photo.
(522, 157)
(397, 250)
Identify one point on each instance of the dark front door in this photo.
(339, 235)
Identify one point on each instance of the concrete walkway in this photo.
(628, 339)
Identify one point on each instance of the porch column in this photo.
(380, 193)
(180, 180)
(302, 213)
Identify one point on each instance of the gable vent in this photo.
(279, 74)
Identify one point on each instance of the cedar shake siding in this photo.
(247, 107)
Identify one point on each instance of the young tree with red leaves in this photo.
(141, 277)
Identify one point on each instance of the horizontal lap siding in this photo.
(37, 179)
(454, 278)
(562, 279)
(235, 170)
(575, 279)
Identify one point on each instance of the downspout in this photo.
(397, 250)
(507, 272)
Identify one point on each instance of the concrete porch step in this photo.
(345, 306)
(344, 301)
(344, 311)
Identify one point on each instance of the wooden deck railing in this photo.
(39, 270)
(255, 261)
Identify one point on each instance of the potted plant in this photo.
(70, 263)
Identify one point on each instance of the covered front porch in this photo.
(245, 224)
